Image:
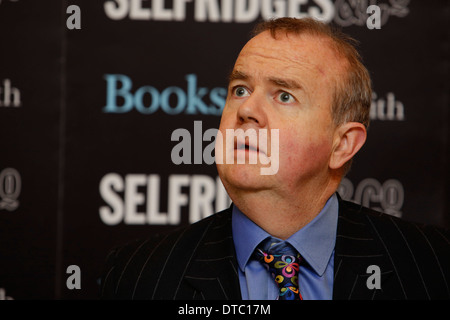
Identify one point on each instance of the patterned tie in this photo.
(283, 263)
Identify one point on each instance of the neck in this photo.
(283, 214)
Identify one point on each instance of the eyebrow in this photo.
(237, 75)
(285, 83)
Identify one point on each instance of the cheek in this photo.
(306, 154)
(228, 118)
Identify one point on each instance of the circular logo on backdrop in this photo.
(10, 186)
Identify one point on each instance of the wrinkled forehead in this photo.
(304, 51)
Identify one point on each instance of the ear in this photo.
(349, 138)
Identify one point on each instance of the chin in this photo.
(243, 177)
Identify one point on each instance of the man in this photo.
(305, 80)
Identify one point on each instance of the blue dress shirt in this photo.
(315, 242)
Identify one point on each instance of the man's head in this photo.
(301, 77)
(353, 93)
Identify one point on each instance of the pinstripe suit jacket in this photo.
(199, 261)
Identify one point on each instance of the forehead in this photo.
(291, 55)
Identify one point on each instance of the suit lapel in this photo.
(213, 270)
(357, 248)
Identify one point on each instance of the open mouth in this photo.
(243, 146)
(247, 146)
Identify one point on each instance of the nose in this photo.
(252, 111)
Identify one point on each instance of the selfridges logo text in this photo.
(241, 11)
(134, 199)
(354, 12)
(387, 196)
(342, 12)
(121, 97)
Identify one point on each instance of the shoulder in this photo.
(132, 262)
(393, 230)
(418, 254)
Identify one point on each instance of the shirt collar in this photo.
(315, 241)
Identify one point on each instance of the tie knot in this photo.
(275, 247)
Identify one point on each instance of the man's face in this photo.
(286, 84)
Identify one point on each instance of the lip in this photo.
(247, 146)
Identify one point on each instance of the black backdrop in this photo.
(86, 118)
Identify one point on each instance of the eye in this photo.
(240, 91)
(286, 97)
